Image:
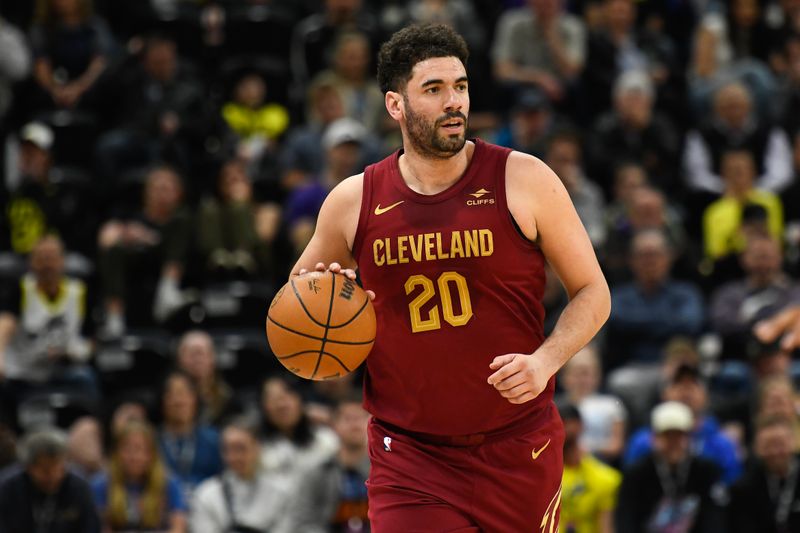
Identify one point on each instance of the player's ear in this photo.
(394, 104)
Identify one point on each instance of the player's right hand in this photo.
(336, 268)
(786, 324)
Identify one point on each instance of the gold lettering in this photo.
(429, 244)
(472, 243)
(402, 246)
(377, 246)
(487, 242)
(456, 248)
(416, 247)
(389, 259)
(440, 254)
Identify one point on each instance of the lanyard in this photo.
(783, 496)
(182, 451)
(672, 485)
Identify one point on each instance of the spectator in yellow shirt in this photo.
(589, 487)
(723, 233)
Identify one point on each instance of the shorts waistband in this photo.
(520, 427)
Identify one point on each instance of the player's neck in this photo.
(428, 175)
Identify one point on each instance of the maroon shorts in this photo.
(508, 483)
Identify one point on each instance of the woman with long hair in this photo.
(137, 492)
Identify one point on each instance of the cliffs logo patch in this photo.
(479, 198)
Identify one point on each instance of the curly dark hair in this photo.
(413, 44)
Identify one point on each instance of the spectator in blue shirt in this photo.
(707, 439)
(652, 309)
(191, 449)
(137, 492)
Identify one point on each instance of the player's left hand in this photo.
(519, 377)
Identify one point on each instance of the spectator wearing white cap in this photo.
(670, 489)
(41, 202)
(343, 143)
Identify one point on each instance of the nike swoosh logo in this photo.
(536, 453)
(381, 210)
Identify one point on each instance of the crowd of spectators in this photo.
(163, 163)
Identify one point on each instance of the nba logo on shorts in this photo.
(387, 444)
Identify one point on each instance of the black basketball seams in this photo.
(314, 337)
(303, 305)
(296, 354)
(343, 324)
(327, 328)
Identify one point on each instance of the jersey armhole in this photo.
(363, 215)
(508, 221)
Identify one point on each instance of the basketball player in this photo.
(453, 234)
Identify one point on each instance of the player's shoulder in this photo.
(528, 173)
(348, 192)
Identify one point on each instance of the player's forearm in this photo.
(581, 319)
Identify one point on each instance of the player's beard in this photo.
(427, 140)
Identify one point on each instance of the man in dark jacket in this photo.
(767, 498)
(670, 490)
(43, 497)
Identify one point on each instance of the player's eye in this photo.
(432, 90)
(461, 87)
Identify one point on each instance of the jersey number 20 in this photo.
(419, 324)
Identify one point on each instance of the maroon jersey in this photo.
(456, 285)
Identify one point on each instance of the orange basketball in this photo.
(321, 325)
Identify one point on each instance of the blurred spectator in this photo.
(777, 398)
(653, 308)
(646, 208)
(301, 157)
(735, 125)
(44, 201)
(72, 47)
(765, 289)
(616, 47)
(629, 177)
(8, 447)
(137, 493)
(706, 437)
(460, 15)
(731, 46)
(634, 132)
(314, 37)
(126, 412)
(564, 156)
(603, 416)
(723, 231)
(540, 45)
(160, 107)
(343, 146)
(670, 489)
(327, 394)
(236, 234)
(43, 496)
(255, 122)
(197, 357)
(530, 125)
(189, 447)
(767, 498)
(332, 498)
(783, 329)
(151, 245)
(245, 497)
(358, 89)
(788, 91)
(85, 447)
(15, 63)
(291, 445)
(44, 332)
(589, 487)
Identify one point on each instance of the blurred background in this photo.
(162, 163)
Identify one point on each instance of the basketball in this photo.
(321, 325)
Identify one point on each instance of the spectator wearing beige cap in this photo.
(670, 489)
